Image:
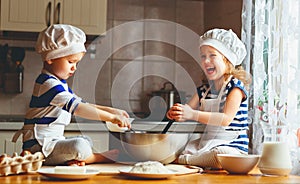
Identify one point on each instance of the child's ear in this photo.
(49, 62)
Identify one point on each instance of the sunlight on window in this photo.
(293, 61)
(272, 34)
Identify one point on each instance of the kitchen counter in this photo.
(13, 126)
(99, 126)
(207, 178)
(96, 130)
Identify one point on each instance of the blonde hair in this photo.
(237, 72)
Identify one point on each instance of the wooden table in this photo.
(208, 178)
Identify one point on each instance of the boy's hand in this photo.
(121, 112)
(121, 121)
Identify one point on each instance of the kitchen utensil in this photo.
(133, 130)
(13, 74)
(145, 146)
(169, 95)
(17, 54)
(167, 126)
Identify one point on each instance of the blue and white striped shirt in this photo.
(51, 107)
(240, 121)
(52, 101)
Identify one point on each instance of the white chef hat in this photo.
(226, 42)
(60, 40)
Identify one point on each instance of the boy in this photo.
(53, 102)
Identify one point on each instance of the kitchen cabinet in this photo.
(100, 141)
(96, 131)
(7, 146)
(35, 15)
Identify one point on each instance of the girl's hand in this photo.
(187, 112)
(175, 112)
(180, 112)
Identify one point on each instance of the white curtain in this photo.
(271, 31)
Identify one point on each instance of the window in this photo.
(271, 31)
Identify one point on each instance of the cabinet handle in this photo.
(48, 14)
(57, 13)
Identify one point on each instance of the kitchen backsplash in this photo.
(133, 63)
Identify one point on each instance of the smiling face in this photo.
(64, 67)
(212, 63)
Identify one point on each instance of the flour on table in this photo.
(150, 167)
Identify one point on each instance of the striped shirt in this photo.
(52, 101)
(240, 121)
(51, 107)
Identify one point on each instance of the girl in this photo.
(221, 102)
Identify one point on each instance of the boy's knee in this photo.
(80, 144)
(82, 147)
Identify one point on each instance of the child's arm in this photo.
(112, 110)
(90, 111)
(182, 112)
(193, 103)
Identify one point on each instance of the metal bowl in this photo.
(151, 146)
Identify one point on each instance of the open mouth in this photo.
(210, 70)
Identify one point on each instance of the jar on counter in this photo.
(275, 158)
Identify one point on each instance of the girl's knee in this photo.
(226, 150)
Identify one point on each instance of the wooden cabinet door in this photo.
(26, 15)
(89, 15)
(35, 15)
(7, 146)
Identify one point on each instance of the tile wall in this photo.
(152, 62)
(137, 61)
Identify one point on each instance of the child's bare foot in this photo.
(75, 163)
(175, 161)
(104, 157)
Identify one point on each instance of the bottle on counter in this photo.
(20, 75)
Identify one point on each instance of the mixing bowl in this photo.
(154, 146)
(238, 164)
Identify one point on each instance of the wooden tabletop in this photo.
(192, 178)
(206, 177)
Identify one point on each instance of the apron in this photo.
(45, 135)
(29, 133)
(214, 135)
